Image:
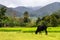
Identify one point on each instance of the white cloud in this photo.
(11, 5)
(33, 3)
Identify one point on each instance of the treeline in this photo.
(52, 20)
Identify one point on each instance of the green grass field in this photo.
(26, 29)
(28, 36)
(22, 33)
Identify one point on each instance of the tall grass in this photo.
(27, 29)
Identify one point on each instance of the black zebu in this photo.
(41, 28)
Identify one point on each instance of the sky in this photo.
(26, 3)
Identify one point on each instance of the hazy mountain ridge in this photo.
(48, 9)
(34, 11)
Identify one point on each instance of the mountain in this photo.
(11, 12)
(48, 9)
(39, 11)
(22, 9)
(2, 6)
(35, 8)
(19, 11)
(33, 11)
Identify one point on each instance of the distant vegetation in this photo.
(25, 21)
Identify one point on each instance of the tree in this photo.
(2, 15)
(26, 17)
(53, 20)
(2, 12)
(56, 15)
(38, 20)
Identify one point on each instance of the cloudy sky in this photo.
(27, 3)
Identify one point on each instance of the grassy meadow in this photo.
(28, 36)
(22, 33)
